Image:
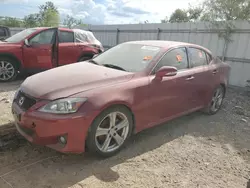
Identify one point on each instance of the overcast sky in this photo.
(100, 11)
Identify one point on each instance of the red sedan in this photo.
(98, 104)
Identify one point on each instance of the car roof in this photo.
(165, 44)
(43, 28)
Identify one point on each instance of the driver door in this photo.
(40, 53)
(171, 96)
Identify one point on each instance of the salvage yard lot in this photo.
(193, 151)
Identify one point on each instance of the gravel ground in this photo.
(193, 151)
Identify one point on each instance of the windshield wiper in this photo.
(93, 61)
(114, 66)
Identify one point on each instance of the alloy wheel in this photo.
(7, 70)
(112, 132)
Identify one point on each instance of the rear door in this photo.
(40, 54)
(69, 51)
(172, 96)
(203, 74)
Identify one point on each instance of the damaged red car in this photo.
(37, 49)
(99, 103)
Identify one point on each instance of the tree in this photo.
(50, 18)
(226, 10)
(194, 13)
(31, 20)
(70, 21)
(179, 16)
(48, 15)
(10, 22)
(44, 8)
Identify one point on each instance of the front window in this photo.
(176, 58)
(129, 57)
(21, 35)
(44, 37)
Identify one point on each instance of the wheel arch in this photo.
(12, 56)
(120, 104)
(223, 85)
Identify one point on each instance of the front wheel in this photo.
(8, 70)
(216, 101)
(110, 131)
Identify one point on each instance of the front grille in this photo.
(24, 101)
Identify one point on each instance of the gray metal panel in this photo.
(201, 33)
(242, 45)
(239, 73)
(233, 45)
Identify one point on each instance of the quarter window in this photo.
(66, 37)
(176, 58)
(197, 57)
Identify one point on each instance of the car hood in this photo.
(71, 79)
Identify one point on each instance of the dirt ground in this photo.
(193, 151)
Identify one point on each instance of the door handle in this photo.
(190, 78)
(44, 49)
(215, 71)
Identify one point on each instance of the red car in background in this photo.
(131, 87)
(38, 49)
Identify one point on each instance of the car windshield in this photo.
(128, 57)
(21, 35)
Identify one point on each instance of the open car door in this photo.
(40, 51)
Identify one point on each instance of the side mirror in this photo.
(95, 56)
(26, 42)
(166, 71)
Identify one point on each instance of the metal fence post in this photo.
(117, 36)
(225, 50)
(158, 34)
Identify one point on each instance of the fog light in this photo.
(63, 139)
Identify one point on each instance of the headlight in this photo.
(17, 91)
(63, 106)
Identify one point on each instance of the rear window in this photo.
(197, 57)
(66, 37)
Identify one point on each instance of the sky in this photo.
(101, 11)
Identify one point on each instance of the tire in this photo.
(116, 139)
(216, 101)
(84, 58)
(8, 69)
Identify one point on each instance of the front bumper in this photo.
(45, 129)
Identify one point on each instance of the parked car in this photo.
(38, 49)
(4, 32)
(126, 89)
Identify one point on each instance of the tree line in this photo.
(212, 10)
(209, 10)
(48, 16)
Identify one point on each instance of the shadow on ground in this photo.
(67, 170)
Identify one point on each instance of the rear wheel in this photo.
(216, 101)
(110, 131)
(8, 69)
